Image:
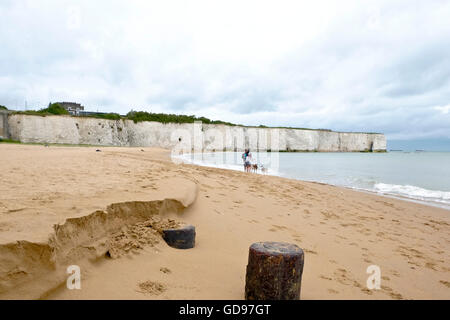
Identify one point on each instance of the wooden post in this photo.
(183, 238)
(274, 271)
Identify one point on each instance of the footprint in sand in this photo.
(310, 251)
(298, 240)
(366, 291)
(333, 291)
(165, 270)
(395, 273)
(281, 228)
(392, 293)
(329, 215)
(366, 258)
(431, 265)
(344, 277)
(16, 210)
(151, 287)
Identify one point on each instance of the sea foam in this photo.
(413, 192)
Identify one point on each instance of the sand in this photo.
(104, 205)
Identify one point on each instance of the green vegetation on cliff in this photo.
(52, 109)
(107, 116)
(3, 107)
(139, 116)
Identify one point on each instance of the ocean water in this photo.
(417, 176)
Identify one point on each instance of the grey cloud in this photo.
(381, 69)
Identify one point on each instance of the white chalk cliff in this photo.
(188, 136)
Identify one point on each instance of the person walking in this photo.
(246, 156)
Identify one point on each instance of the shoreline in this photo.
(388, 195)
(341, 231)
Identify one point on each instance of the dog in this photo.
(254, 168)
(263, 169)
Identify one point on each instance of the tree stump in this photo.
(182, 238)
(274, 271)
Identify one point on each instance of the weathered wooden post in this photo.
(274, 271)
(182, 238)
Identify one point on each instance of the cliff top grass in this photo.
(107, 116)
(141, 116)
(3, 107)
(52, 109)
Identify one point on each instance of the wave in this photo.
(414, 192)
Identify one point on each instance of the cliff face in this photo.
(76, 130)
(4, 124)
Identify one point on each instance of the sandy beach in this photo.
(341, 231)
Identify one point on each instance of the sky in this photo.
(371, 66)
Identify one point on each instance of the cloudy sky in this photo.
(381, 66)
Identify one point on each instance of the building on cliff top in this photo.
(73, 108)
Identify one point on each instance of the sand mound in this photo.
(34, 268)
(135, 237)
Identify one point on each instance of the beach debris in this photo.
(180, 238)
(274, 271)
(98, 150)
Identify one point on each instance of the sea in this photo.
(416, 176)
